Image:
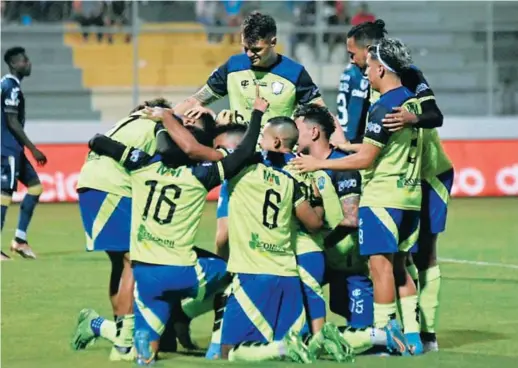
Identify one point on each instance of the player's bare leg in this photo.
(430, 282)
(317, 324)
(117, 261)
(222, 248)
(407, 294)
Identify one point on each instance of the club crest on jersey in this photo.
(364, 84)
(245, 83)
(321, 183)
(277, 88)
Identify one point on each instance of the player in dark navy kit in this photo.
(15, 165)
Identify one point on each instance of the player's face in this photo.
(260, 52)
(357, 54)
(22, 65)
(306, 133)
(373, 72)
(268, 140)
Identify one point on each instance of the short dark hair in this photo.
(12, 52)
(392, 53)
(317, 114)
(209, 124)
(175, 157)
(233, 128)
(157, 102)
(258, 26)
(368, 33)
(284, 121)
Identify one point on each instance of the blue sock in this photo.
(26, 210)
(4, 212)
(96, 325)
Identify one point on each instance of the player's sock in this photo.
(125, 328)
(26, 210)
(194, 308)
(414, 273)
(430, 280)
(4, 213)
(363, 339)
(104, 328)
(383, 313)
(214, 350)
(409, 314)
(257, 352)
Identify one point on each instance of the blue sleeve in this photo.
(217, 81)
(376, 132)
(10, 96)
(306, 90)
(346, 183)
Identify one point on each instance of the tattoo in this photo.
(350, 207)
(205, 95)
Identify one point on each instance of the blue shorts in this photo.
(16, 169)
(262, 308)
(106, 220)
(311, 268)
(159, 287)
(222, 210)
(352, 297)
(434, 205)
(387, 230)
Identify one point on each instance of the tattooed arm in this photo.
(349, 223)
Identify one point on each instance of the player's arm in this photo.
(182, 137)
(213, 90)
(348, 188)
(309, 214)
(11, 102)
(430, 117)
(130, 158)
(376, 137)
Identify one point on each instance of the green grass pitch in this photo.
(41, 299)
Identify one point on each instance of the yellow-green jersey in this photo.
(262, 200)
(104, 174)
(285, 85)
(167, 205)
(435, 160)
(394, 179)
(304, 241)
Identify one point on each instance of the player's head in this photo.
(259, 37)
(360, 37)
(386, 60)
(156, 102)
(229, 136)
(175, 157)
(315, 124)
(18, 61)
(280, 134)
(205, 122)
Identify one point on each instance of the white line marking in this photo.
(479, 263)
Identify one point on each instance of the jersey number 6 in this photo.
(271, 204)
(163, 198)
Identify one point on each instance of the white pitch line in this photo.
(479, 263)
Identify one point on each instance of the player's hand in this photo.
(306, 163)
(197, 111)
(156, 113)
(40, 158)
(398, 119)
(260, 103)
(225, 117)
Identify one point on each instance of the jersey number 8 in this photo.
(163, 198)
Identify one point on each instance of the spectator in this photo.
(304, 13)
(336, 15)
(116, 14)
(207, 13)
(363, 15)
(233, 12)
(88, 14)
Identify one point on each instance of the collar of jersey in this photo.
(267, 68)
(12, 77)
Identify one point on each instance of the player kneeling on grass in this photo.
(170, 201)
(347, 272)
(391, 198)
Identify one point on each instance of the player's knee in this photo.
(35, 189)
(380, 266)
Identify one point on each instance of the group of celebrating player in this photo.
(309, 208)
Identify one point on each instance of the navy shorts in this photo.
(16, 169)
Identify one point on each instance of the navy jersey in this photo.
(353, 103)
(13, 102)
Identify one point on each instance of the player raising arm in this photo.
(392, 188)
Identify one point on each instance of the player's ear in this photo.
(273, 41)
(315, 133)
(277, 143)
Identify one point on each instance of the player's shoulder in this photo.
(353, 71)
(414, 79)
(9, 81)
(237, 63)
(288, 69)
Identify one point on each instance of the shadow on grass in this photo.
(454, 338)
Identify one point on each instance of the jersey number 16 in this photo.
(163, 199)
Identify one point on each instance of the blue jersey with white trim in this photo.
(13, 102)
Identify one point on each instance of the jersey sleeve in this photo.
(376, 134)
(421, 86)
(298, 193)
(217, 81)
(210, 174)
(129, 157)
(347, 183)
(10, 97)
(306, 90)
